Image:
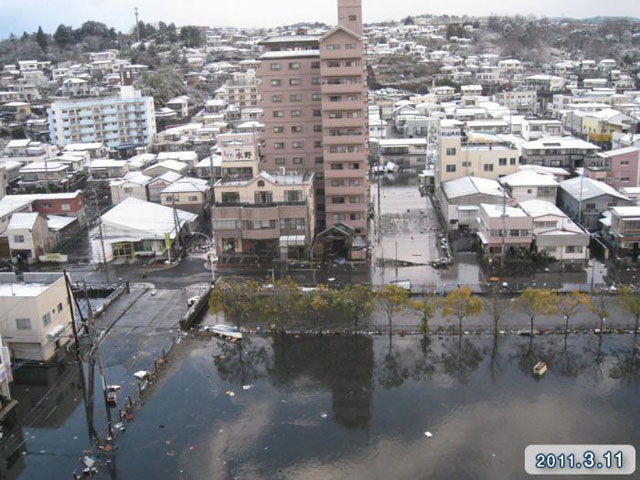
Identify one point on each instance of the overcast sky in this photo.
(19, 15)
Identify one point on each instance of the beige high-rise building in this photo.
(313, 93)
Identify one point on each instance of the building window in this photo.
(276, 82)
(280, 161)
(451, 168)
(59, 307)
(297, 161)
(350, 46)
(353, 18)
(276, 66)
(333, 64)
(317, 113)
(296, 113)
(502, 162)
(573, 249)
(316, 97)
(338, 200)
(333, 46)
(294, 66)
(46, 319)
(278, 145)
(295, 98)
(278, 129)
(512, 161)
(337, 166)
(488, 167)
(296, 129)
(18, 238)
(317, 144)
(319, 160)
(263, 198)
(278, 114)
(293, 195)
(315, 65)
(276, 98)
(193, 199)
(451, 151)
(297, 144)
(294, 81)
(337, 183)
(23, 324)
(315, 81)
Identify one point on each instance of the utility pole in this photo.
(46, 174)
(95, 350)
(137, 24)
(104, 254)
(73, 320)
(504, 229)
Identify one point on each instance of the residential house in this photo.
(584, 200)
(165, 166)
(556, 234)
(622, 230)
(133, 184)
(104, 168)
(34, 315)
(528, 184)
(459, 200)
(28, 235)
(504, 230)
(188, 194)
(159, 183)
(564, 152)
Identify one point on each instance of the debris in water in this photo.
(141, 374)
(230, 393)
(247, 387)
(428, 434)
(324, 415)
(88, 461)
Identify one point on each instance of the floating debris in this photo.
(324, 415)
(428, 434)
(141, 374)
(230, 393)
(247, 387)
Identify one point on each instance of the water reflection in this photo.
(477, 395)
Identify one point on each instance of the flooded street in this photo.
(359, 407)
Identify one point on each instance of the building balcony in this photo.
(346, 157)
(265, 234)
(345, 207)
(343, 139)
(341, 71)
(346, 190)
(343, 122)
(342, 105)
(342, 88)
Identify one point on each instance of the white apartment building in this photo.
(126, 120)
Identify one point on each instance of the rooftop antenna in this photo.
(135, 10)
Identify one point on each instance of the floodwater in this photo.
(346, 407)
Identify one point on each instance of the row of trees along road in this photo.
(284, 304)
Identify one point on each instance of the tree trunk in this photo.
(460, 326)
(601, 325)
(531, 318)
(566, 326)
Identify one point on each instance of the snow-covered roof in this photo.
(22, 221)
(632, 211)
(180, 156)
(464, 186)
(107, 163)
(206, 162)
(525, 178)
(619, 151)
(58, 222)
(584, 188)
(151, 219)
(554, 143)
(186, 185)
(501, 210)
(540, 208)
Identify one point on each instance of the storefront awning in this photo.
(292, 241)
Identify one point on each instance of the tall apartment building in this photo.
(123, 121)
(314, 97)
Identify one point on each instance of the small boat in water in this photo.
(540, 368)
(226, 331)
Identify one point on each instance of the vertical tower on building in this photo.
(314, 97)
